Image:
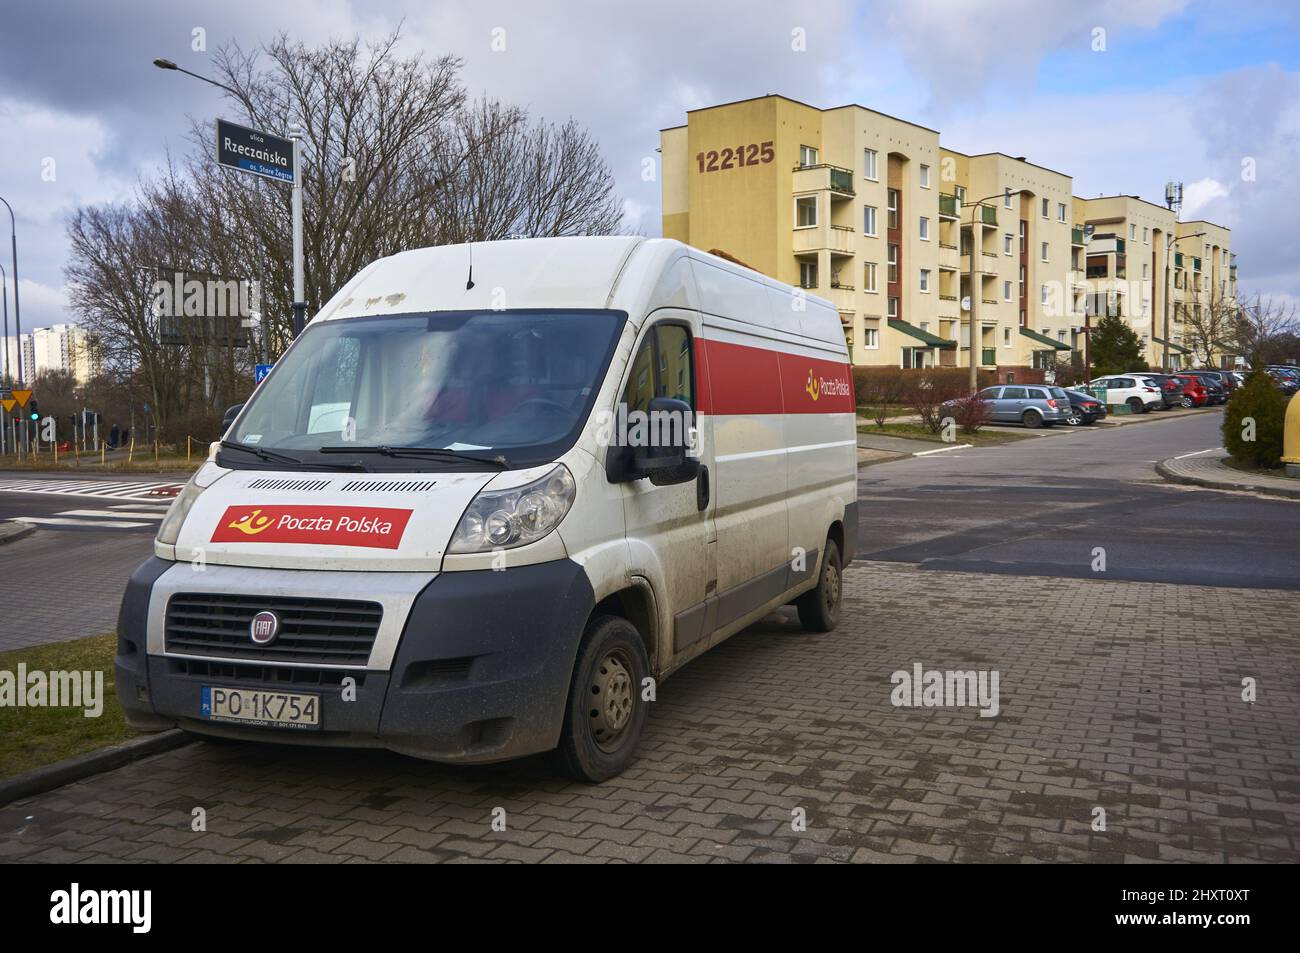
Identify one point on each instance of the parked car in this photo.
(1171, 388)
(1194, 392)
(1033, 405)
(1287, 381)
(1217, 393)
(1140, 395)
(1084, 408)
(364, 556)
(1225, 380)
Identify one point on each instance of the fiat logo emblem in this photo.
(264, 628)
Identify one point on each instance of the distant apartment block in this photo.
(63, 347)
(908, 238)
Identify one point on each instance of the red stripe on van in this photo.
(738, 379)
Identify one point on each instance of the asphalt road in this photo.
(1044, 507)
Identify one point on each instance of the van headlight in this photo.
(170, 527)
(504, 519)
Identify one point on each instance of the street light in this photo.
(18, 315)
(1169, 248)
(296, 134)
(976, 241)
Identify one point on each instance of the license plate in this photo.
(248, 706)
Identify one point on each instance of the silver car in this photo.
(1034, 405)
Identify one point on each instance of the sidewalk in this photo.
(1211, 471)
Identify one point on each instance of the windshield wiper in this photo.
(270, 456)
(438, 452)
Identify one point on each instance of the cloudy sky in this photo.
(1182, 89)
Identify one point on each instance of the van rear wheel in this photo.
(819, 607)
(605, 714)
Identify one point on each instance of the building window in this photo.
(1047, 206)
(893, 307)
(805, 211)
(893, 208)
(925, 176)
(1060, 211)
(1042, 293)
(925, 279)
(892, 276)
(923, 229)
(869, 157)
(1145, 266)
(1006, 291)
(1060, 336)
(1006, 337)
(1044, 251)
(1146, 235)
(1007, 244)
(869, 276)
(1006, 197)
(1132, 232)
(870, 338)
(807, 274)
(807, 156)
(959, 191)
(869, 220)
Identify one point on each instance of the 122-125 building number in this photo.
(751, 154)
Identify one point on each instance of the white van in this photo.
(492, 493)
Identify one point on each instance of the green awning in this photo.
(1044, 339)
(1172, 346)
(925, 337)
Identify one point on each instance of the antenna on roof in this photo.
(469, 283)
(1174, 196)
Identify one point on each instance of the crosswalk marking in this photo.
(60, 521)
(113, 514)
(99, 489)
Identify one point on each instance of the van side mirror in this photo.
(230, 415)
(661, 445)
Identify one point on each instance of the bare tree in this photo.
(394, 158)
(1211, 330)
(1266, 330)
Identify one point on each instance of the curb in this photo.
(56, 775)
(12, 530)
(1173, 476)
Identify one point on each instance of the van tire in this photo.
(819, 607)
(1032, 419)
(611, 660)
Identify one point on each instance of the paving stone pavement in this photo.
(1212, 470)
(1119, 695)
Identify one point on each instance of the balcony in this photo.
(988, 356)
(948, 207)
(949, 258)
(988, 215)
(838, 239)
(830, 178)
(843, 297)
(1105, 245)
(1076, 236)
(982, 265)
(1196, 264)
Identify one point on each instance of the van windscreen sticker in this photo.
(371, 526)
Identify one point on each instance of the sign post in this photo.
(272, 157)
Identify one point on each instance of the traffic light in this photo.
(33, 410)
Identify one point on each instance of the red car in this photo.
(1194, 392)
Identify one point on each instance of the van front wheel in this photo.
(605, 713)
(819, 607)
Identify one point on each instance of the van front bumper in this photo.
(480, 673)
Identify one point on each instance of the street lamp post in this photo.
(18, 315)
(296, 135)
(4, 305)
(1169, 248)
(976, 241)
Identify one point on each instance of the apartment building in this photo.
(873, 213)
(62, 347)
(843, 202)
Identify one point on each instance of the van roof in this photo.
(522, 273)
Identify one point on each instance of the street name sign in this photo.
(250, 150)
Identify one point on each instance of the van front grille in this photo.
(321, 631)
(270, 675)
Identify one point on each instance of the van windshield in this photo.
(514, 385)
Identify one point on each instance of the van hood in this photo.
(325, 521)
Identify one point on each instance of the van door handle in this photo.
(702, 488)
